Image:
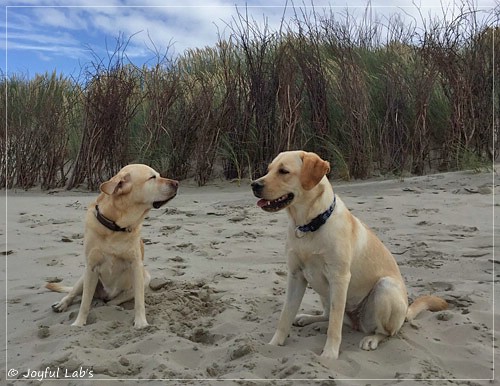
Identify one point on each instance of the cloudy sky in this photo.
(45, 35)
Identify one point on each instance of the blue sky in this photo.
(45, 35)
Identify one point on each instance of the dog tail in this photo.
(428, 302)
(56, 287)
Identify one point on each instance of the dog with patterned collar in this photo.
(357, 278)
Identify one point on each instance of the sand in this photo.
(219, 275)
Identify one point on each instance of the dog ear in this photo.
(313, 170)
(119, 184)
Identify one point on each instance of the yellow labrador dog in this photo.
(114, 250)
(355, 275)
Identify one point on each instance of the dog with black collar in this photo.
(356, 276)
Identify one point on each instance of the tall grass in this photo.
(40, 117)
(369, 96)
(110, 98)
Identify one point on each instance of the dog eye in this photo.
(152, 177)
(283, 171)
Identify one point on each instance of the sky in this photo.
(38, 36)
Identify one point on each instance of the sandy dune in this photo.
(219, 276)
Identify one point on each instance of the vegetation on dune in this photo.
(369, 97)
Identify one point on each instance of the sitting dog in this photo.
(114, 250)
(356, 276)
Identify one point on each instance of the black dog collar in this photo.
(111, 225)
(317, 222)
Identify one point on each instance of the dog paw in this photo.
(140, 324)
(369, 343)
(277, 340)
(78, 323)
(59, 307)
(330, 354)
(302, 320)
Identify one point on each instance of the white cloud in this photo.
(66, 18)
(72, 25)
(46, 39)
(62, 50)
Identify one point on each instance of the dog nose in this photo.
(174, 183)
(257, 187)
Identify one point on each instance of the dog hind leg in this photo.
(384, 312)
(66, 301)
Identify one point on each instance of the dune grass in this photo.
(369, 97)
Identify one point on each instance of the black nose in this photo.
(257, 187)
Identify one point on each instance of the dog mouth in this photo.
(159, 204)
(277, 204)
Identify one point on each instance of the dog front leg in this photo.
(90, 280)
(338, 297)
(140, 309)
(296, 286)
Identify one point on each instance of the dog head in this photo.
(290, 175)
(139, 184)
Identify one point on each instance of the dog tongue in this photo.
(262, 203)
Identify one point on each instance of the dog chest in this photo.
(312, 266)
(316, 278)
(115, 275)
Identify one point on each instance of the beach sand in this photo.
(219, 275)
